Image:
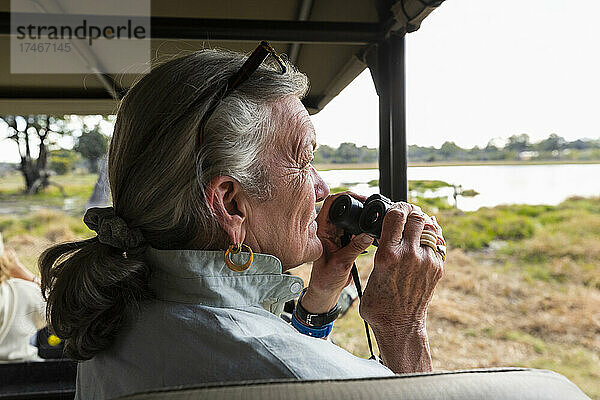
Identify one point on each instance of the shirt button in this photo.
(296, 287)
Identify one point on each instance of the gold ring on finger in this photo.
(442, 250)
(426, 236)
(428, 244)
(441, 240)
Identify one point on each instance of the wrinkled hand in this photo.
(331, 272)
(404, 275)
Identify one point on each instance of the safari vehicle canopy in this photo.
(331, 41)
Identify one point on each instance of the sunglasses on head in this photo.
(257, 57)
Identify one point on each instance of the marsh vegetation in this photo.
(521, 287)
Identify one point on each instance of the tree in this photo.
(518, 143)
(451, 151)
(26, 132)
(553, 143)
(323, 154)
(347, 153)
(578, 144)
(366, 154)
(92, 145)
(63, 161)
(491, 147)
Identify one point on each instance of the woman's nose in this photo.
(321, 188)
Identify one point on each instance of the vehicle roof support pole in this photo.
(385, 140)
(399, 147)
(388, 72)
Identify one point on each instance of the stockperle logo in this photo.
(80, 36)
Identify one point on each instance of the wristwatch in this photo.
(315, 320)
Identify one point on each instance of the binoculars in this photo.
(356, 217)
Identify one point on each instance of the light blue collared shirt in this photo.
(211, 324)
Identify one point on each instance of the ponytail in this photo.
(91, 288)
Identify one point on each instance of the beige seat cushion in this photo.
(499, 383)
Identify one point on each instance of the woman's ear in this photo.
(227, 200)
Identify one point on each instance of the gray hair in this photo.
(163, 192)
(158, 180)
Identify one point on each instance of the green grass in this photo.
(41, 223)
(469, 193)
(546, 243)
(431, 205)
(565, 246)
(424, 185)
(13, 184)
(338, 189)
(537, 344)
(577, 363)
(78, 189)
(476, 230)
(572, 221)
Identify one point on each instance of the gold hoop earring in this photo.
(236, 249)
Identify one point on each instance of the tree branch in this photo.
(27, 145)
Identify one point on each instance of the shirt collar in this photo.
(202, 277)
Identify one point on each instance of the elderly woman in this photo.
(210, 155)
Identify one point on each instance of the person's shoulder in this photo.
(304, 356)
(23, 284)
(26, 289)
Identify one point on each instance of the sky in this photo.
(479, 70)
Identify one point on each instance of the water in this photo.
(497, 184)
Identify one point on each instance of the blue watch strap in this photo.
(319, 332)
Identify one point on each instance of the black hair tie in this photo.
(112, 230)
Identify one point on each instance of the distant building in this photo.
(527, 155)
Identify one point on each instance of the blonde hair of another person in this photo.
(4, 274)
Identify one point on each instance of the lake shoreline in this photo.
(331, 166)
(496, 184)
